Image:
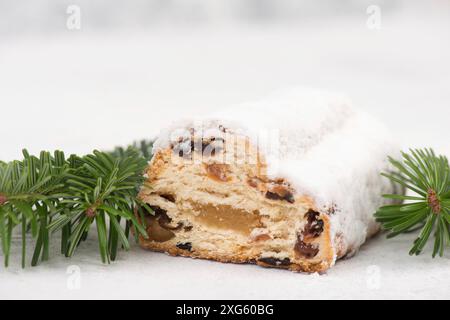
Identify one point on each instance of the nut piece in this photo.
(158, 226)
(217, 171)
(156, 232)
(276, 262)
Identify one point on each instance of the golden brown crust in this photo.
(236, 258)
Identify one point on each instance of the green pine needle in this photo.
(48, 194)
(427, 176)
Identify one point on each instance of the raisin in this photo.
(332, 210)
(183, 147)
(158, 211)
(314, 227)
(185, 246)
(163, 218)
(182, 153)
(168, 197)
(276, 262)
(306, 250)
(164, 221)
(287, 196)
(279, 189)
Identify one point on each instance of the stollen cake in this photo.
(290, 181)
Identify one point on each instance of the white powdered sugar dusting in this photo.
(321, 144)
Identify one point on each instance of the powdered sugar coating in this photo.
(325, 148)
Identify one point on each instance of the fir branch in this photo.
(30, 190)
(53, 194)
(427, 176)
(144, 147)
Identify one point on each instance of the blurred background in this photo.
(84, 74)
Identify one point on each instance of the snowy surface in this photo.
(79, 91)
(382, 270)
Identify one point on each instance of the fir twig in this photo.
(50, 193)
(427, 177)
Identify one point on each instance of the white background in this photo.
(124, 75)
